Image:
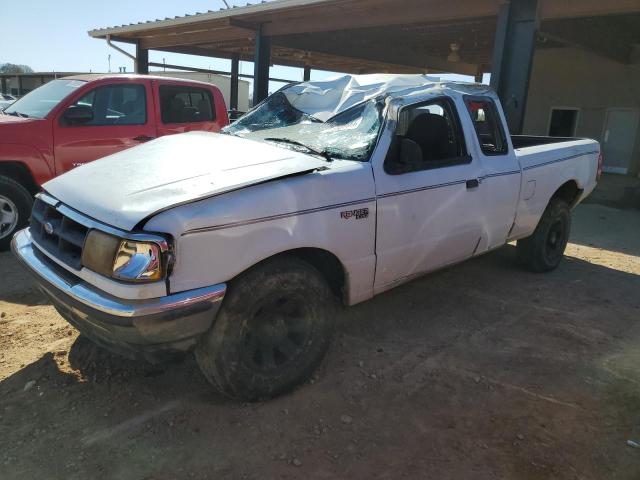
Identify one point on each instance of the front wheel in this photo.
(272, 331)
(543, 251)
(15, 208)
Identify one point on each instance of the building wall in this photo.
(570, 77)
(28, 83)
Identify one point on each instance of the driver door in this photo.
(429, 204)
(122, 118)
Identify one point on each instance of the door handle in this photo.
(473, 183)
(143, 138)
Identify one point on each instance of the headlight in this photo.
(138, 261)
(124, 259)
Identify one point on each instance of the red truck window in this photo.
(185, 104)
(116, 105)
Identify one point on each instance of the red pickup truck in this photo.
(74, 120)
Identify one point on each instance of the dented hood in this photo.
(125, 188)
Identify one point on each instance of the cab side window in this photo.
(488, 126)
(428, 136)
(185, 104)
(116, 105)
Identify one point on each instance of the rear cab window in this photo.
(488, 126)
(186, 104)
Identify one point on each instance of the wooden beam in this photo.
(160, 30)
(196, 38)
(554, 9)
(355, 14)
(378, 52)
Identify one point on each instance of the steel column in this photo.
(306, 76)
(479, 74)
(261, 63)
(513, 52)
(19, 85)
(235, 70)
(4, 85)
(142, 59)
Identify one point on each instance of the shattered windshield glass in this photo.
(350, 134)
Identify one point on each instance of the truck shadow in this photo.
(435, 358)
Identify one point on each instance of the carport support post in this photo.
(4, 85)
(233, 91)
(261, 63)
(513, 52)
(142, 59)
(479, 75)
(19, 85)
(306, 75)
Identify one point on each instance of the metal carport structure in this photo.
(468, 37)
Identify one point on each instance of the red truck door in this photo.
(123, 116)
(184, 107)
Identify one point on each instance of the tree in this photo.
(13, 68)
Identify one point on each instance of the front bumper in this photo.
(153, 329)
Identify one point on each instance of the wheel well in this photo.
(327, 264)
(568, 192)
(20, 173)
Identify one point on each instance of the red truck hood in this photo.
(12, 119)
(21, 130)
(125, 188)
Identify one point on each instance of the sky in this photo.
(51, 35)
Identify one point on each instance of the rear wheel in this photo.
(543, 251)
(15, 208)
(272, 331)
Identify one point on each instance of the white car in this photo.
(6, 100)
(241, 245)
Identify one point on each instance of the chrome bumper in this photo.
(170, 323)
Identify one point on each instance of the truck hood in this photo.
(20, 130)
(123, 189)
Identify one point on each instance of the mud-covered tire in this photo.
(272, 331)
(15, 209)
(543, 251)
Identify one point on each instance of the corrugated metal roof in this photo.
(235, 11)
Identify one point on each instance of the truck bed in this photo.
(522, 141)
(544, 162)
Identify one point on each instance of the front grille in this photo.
(57, 234)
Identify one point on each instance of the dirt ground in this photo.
(481, 371)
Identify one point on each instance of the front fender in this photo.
(39, 166)
(219, 238)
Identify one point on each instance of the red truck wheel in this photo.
(15, 208)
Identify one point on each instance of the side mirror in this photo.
(78, 114)
(410, 154)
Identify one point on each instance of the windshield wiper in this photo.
(322, 153)
(16, 114)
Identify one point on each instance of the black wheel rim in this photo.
(276, 334)
(556, 240)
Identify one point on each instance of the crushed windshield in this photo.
(350, 134)
(39, 102)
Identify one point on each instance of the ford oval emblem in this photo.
(48, 228)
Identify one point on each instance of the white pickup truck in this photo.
(240, 245)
